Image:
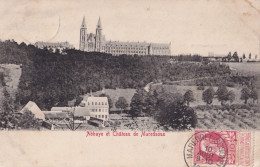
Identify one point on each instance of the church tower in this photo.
(83, 43)
(98, 41)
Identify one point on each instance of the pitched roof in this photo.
(78, 111)
(52, 115)
(99, 24)
(83, 25)
(96, 99)
(32, 106)
(61, 109)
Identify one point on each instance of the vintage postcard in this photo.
(130, 83)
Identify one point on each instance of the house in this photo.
(98, 107)
(32, 107)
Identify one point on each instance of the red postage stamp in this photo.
(219, 148)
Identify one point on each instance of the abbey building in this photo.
(90, 42)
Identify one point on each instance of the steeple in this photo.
(83, 25)
(99, 24)
(83, 42)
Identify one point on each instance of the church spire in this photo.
(83, 25)
(99, 23)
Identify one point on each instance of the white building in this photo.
(98, 107)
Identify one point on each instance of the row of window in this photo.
(128, 52)
(159, 48)
(97, 103)
(101, 116)
(123, 48)
(99, 110)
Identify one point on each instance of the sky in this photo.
(191, 26)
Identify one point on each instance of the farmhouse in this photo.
(32, 107)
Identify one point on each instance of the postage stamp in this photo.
(219, 148)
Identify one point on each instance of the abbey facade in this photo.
(97, 43)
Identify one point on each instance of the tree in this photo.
(245, 94)
(244, 56)
(151, 102)
(8, 118)
(235, 57)
(222, 94)
(229, 57)
(177, 116)
(2, 79)
(57, 50)
(167, 98)
(231, 96)
(28, 121)
(254, 95)
(138, 102)
(78, 101)
(208, 95)
(136, 105)
(110, 102)
(121, 104)
(188, 97)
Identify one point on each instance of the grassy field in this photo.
(246, 68)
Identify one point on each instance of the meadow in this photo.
(245, 68)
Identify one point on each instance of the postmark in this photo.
(218, 148)
(206, 148)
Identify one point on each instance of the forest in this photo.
(51, 79)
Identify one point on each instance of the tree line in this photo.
(223, 95)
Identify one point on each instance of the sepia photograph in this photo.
(148, 68)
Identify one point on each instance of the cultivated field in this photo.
(237, 119)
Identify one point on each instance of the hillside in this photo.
(53, 79)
